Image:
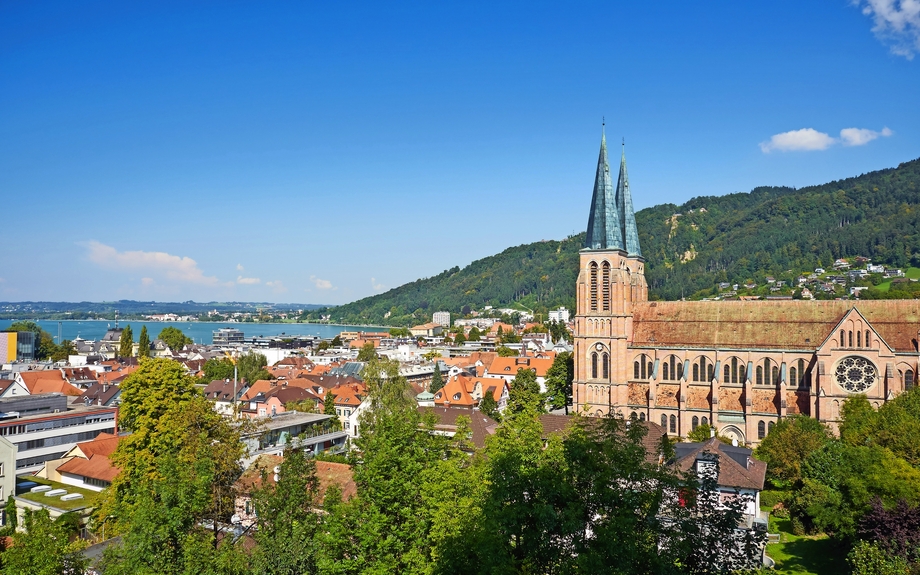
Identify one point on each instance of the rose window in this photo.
(855, 374)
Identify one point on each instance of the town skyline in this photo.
(283, 154)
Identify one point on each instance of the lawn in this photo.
(89, 497)
(804, 555)
(912, 273)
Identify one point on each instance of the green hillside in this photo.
(775, 231)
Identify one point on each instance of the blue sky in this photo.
(323, 152)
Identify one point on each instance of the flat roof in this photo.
(290, 418)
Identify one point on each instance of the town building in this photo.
(441, 318)
(227, 337)
(560, 315)
(737, 365)
(17, 346)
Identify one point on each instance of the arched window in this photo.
(711, 372)
(704, 421)
(696, 372)
(673, 424)
(680, 370)
(633, 416)
(759, 379)
(775, 375)
(664, 422)
(909, 379)
(851, 338)
(761, 430)
(731, 371)
(593, 366)
(665, 373)
(593, 269)
(867, 339)
(727, 376)
(843, 342)
(605, 285)
(606, 365)
(642, 367)
(770, 427)
(642, 416)
(793, 376)
(858, 339)
(636, 370)
(695, 423)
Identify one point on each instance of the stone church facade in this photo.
(737, 365)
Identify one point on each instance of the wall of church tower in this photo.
(609, 284)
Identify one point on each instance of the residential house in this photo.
(103, 394)
(12, 388)
(481, 425)
(429, 329)
(507, 368)
(225, 393)
(86, 465)
(46, 381)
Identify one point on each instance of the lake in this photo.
(200, 331)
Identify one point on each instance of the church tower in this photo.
(611, 279)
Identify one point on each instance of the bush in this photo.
(769, 498)
(868, 559)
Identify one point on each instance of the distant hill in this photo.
(776, 231)
(128, 309)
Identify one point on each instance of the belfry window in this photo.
(593, 366)
(606, 366)
(605, 285)
(593, 269)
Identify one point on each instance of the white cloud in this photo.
(320, 283)
(147, 282)
(239, 267)
(897, 24)
(248, 281)
(809, 139)
(176, 268)
(376, 286)
(277, 286)
(796, 140)
(861, 136)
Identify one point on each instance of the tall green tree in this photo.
(43, 548)
(788, 444)
(126, 343)
(218, 369)
(251, 367)
(559, 381)
(288, 521)
(367, 352)
(524, 394)
(437, 380)
(329, 403)
(143, 343)
(174, 338)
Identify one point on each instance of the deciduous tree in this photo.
(43, 548)
(174, 338)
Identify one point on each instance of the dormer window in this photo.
(457, 396)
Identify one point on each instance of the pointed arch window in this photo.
(761, 429)
(694, 423)
(710, 372)
(858, 339)
(673, 424)
(664, 422)
(775, 372)
(593, 270)
(593, 366)
(665, 373)
(851, 338)
(843, 342)
(642, 417)
(727, 374)
(704, 421)
(606, 366)
(867, 339)
(605, 285)
(759, 379)
(770, 427)
(637, 371)
(696, 372)
(793, 376)
(909, 379)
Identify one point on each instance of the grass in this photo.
(89, 497)
(911, 273)
(804, 555)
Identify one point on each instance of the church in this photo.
(739, 366)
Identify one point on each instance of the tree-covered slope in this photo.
(774, 231)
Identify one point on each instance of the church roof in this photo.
(611, 221)
(768, 324)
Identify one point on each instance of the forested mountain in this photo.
(776, 231)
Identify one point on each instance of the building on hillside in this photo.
(441, 318)
(560, 315)
(737, 365)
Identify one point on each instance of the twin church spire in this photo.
(611, 222)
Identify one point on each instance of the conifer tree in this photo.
(126, 343)
(437, 381)
(143, 343)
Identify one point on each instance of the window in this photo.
(770, 427)
(664, 421)
(642, 367)
(727, 375)
(858, 339)
(843, 338)
(665, 373)
(673, 424)
(761, 430)
(851, 339)
(641, 417)
(867, 338)
(695, 423)
(793, 375)
(633, 416)
(606, 366)
(908, 384)
(775, 372)
(704, 421)
(593, 270)
(593, 366)
(636, 370)
(696, 372)
(605, 286)
(759, 380)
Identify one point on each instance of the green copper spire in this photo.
(604, 230)
(625, 210)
